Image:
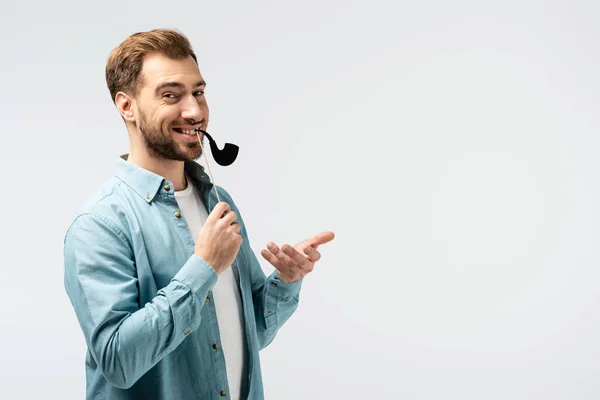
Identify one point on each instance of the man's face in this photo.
(170, 105)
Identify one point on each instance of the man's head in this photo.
(154, 80)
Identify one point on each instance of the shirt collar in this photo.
(146, 183)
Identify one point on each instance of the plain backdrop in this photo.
(451, 146)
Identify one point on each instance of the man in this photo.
(171, 299)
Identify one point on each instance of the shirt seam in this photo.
(92, 212)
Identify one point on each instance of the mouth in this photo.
(183, 131)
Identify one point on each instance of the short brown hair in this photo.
(124, 65)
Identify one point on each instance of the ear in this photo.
(125, 106)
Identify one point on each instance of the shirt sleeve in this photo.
(274, 300)
(125, 338)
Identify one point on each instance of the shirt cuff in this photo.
(198, 275)
(280, 289)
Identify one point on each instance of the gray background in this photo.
(451, 146)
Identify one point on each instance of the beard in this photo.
(164, 146)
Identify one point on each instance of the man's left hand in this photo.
(293, 263)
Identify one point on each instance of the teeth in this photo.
(188, 131)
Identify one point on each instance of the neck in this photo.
(171, 170)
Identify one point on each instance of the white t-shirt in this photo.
(226, 295)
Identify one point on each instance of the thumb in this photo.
(321, 238)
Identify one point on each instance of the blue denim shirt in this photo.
(143, 298)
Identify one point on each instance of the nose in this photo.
(191, 109)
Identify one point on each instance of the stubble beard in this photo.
(164, 146)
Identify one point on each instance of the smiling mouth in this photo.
(185, 131)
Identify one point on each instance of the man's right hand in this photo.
(219, 239)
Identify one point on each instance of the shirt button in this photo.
(167, 188)
(207, 299)
(215, 346)
(186, 332)
(148, 197)
(223, 393)
(177, 214)
(273, 284)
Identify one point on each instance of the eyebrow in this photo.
(176, 85)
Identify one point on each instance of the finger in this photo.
(227, 221)
(319, 239)
(322, 238)
(296, 256)
(274, 261)
(277, 252)
(280, 261)
(312, 253)
(284, 262)
(230, 217)
(217, 212)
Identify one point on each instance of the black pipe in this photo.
(224, 157)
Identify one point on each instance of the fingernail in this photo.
(308, 250)
(270, 246)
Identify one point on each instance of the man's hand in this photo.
(293, 263)
(219, 239)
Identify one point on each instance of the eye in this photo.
(170, 95)
(199, 93)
